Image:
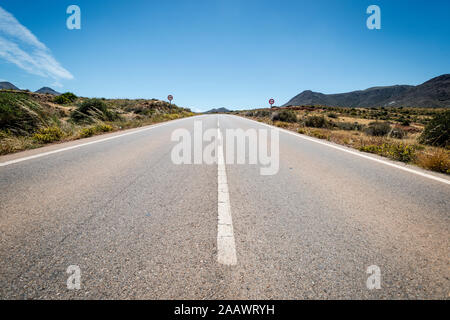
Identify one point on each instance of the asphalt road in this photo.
(141, 227)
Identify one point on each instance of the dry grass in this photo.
(407, 150)
(10, 144)
(43, 122)
(435, 159)
(349, 119)
(281, 124)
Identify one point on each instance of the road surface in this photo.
(141, 227)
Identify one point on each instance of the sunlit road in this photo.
(140, 226)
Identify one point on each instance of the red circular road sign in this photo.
(170, 97)
(271, 101)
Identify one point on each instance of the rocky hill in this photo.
(433, 93)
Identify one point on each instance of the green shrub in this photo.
(437, 131)
(61, 100)
(93, 108)
(397, 133)
(401, 152)
(65, 98)
(281, 124)
(397, 151)
(262, 113)
(404, 122)
(371, 149)
(285, 116)
(318, 134)
(103, 128)
(92, 105)
(10, 116)
(378, 129)
(316, 122)
(49, 134)
(332, 115)
(90, 131)
(19, 114)
(349, 126)
(87, 132)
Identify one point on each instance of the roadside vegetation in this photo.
(419, 136)
(30, 120)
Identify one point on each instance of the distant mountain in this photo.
(8, 86)
(433, 93)
(218, 110)
(47, 90)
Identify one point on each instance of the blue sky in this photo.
(226, 53)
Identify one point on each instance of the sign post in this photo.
(170, 98)
(271, 102)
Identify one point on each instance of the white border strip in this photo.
(6, 163)
(226, 248)
(356, 153)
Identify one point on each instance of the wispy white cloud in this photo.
(19, 46)
(57, 84)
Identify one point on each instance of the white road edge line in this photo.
(356, 153)
(3, 164)
(226, 247)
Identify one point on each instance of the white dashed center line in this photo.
(226, 247)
